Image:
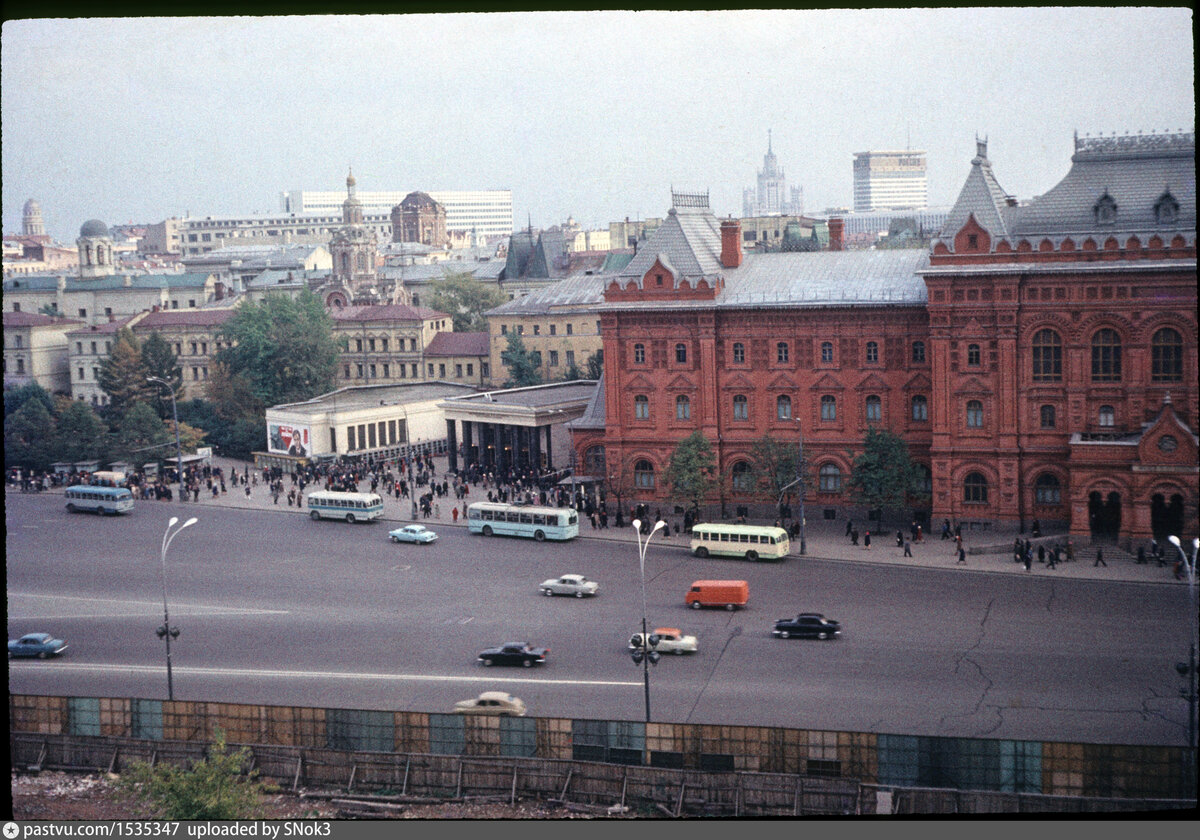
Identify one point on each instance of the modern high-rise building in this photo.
(890, 181)
(486, 212)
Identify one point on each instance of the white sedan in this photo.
(491, 703)
(412, 534)
(670, 640)
(576, 585)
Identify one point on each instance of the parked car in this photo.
(514, 653)
(670, 640)
(40, 645)
(499, 703)
(576, 585)
(412, 534)
(807, 626)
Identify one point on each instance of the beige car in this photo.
(670, 640)
(492, 703)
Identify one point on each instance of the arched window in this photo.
(974, 414)
(362, 262)
(739, 353)
(1106, 356)
(1107, 416)
(830, 478)
(918, 352)
(1166, 209)
(1166, 356)
(641, 407)
(643, 475)
(826, 351)
(920, 408)
(828, 408)
(781, 352)
(743, 478)
(741, 407)
(1105, 210)
(973, 355)
(1047, 490)
(783, 407)
(975, 488)
(872, 352)
(593, 461)
(683, 408)
(1049, 420)
(639, 354)
(681, 353)
(1047, 356)
(874, 409)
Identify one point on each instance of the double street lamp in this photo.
(1187, 670)
(166, 632)
(645, 652)
(174, 416)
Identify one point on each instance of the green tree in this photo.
(776, 464)
(884, 476)
(141, 436)
(160, 362)
(27, 436)
(692, 471)
(521, 363)
(15, 398)
(595, 365)
(123, 375)
(214, 788)
(283, 347)
(465, 299)
(572, 373)
(80, 434)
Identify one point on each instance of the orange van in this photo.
(729, 594)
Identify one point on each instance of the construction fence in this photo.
(673, 766)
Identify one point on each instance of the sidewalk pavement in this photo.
(987, 551)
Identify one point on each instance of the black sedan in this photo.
(807, 626)
(514, 653)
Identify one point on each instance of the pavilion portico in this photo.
(513, 428)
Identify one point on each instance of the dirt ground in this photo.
(68, 796)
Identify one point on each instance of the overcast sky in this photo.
(590, 114)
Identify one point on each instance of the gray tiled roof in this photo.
(981, 196)
(536, 396)
(577, 291)
(1135, 178)
(593, 415)
(827, 278)
(690, 239)
(280, 277)
(43, 282)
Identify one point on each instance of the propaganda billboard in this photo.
(286, 439)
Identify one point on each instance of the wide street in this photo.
(275, 608)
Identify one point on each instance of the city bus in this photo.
(754, 542)
(101, 500)
(541, 523)
(353, 507)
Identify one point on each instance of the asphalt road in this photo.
(274, 608)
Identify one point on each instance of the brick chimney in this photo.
(836, 226)
(731, 243)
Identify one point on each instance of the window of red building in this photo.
(1047, 356)
(974, 414)
(1106, 356)
(1166, 356)
(828, 408)
(975, 488)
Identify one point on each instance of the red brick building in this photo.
(1040, 359)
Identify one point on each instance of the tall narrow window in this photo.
(828, 408)
(783, 407)
(973, 355)
(874, 409)
(781, 352)
(1047, 356)
(743, 477)
(683, 408)
(1047, 490)
(826, 351)
(739, 353)
(681, 353)
(741, 407)
(1049, 420)
(639, 354)
(1106, 356)
(641, 407)
(1107, 416)
(920, 408)
(974, 414)
(1166, 356)
(872, 352)
(830, 478)
(975, 488)
(918, 352)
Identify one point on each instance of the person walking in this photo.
(849, 526)
(1100, 559)
(1041, 553)
(907, 549)
(962, 554)
(1070, 550)
(854, 537)
(899, 538)
(867, 540)
(1028, 560)
(1053, 558)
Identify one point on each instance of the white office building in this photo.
(890, 181)
(486, 212)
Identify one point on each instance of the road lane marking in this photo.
(18, 601)
(243, 673)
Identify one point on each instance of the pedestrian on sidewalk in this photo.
(1099, 559)
(962, 554)
(247, 491)
(1041, 553)
(854, 537)
(945, 529)
(849, 526)
(1053, 558)
(1070, 550)
(867, 540)
(907, 549)
(454, 515)
(899, 538)
(1028, 560)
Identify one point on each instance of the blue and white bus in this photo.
(541, 523)
(353, 507)
(101, 500)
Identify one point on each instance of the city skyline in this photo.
(138, 119)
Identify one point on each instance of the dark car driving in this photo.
(807, 626)
(514, 653)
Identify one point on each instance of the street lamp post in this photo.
(175, 417)
(646, 654)
(1187, 670)
(166, 632)
(800, 479)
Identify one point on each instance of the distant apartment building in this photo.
(890, 181)
(87, 348)
(459, 357)
(161, 238)
(200, 236)
(35, 350)
(486, 212)
(385, 344)
(193, 336)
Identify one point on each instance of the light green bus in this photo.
(754, 542)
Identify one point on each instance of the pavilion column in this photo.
(549, 447)
(535, 447)
(452, 444)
